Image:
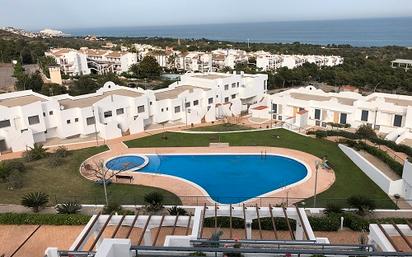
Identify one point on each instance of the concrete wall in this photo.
(384, 182)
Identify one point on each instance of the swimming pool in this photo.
(228, 178)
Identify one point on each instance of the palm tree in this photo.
(35, 200)
(36, 152)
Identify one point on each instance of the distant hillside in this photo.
(10, 36)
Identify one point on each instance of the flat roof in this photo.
(403, 61)
(20, 100)
(89, 101)
(175, 92)
(210, 76)
(309, 97)
(396, 101)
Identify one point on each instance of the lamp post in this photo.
(317, 164)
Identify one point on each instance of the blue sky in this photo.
(36, 14)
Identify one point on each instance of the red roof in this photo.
(262, 107)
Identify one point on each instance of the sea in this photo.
(359, 32)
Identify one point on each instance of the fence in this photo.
(200, 200)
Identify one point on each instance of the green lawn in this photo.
(221, 127)
(65, 183)
(350, 180)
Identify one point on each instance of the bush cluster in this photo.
(11, 172)
(361, 135)
(43, 219)
(56, 158)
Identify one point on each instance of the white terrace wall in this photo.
(388, 185)
(407, 179)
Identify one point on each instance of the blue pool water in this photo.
(230, 178)
(125, 162)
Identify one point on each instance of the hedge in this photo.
(43, 219)
(379, 141)
(324, 223)
(381, 155)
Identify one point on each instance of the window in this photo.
(343, 118)
(76, 119)
(237, 84)
(226, 87)
(44, 114)
(217, 96)
(226, 99)
(50, 112)
(233, 85)
(196, 102)
(140, 109)
(68, 121)
(5, 123)
(233, 96)
(397, 121)
(107, 114)
(34, 120)
(162, 110)
(364, 116)
(177, 109)
(167, 108)
(187, 105)
(210, 100)
(274, 108)
(90, 121)
(317, 114)
(150, 103)
(119, 111)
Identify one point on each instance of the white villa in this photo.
(307, 106)
(83, 61)
(27, 117)
(71, 61)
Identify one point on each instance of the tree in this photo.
(53, 89)
(35, 200)
(45, 62)
(109, 77)
(362, 203)
(34, 153)
(98, 170)
(84, 85)
(147, 68)
(29, 81)
(365, 131)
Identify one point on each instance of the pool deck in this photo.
(191, 194)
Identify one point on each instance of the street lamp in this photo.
(317, 165)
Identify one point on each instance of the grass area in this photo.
(350, 180)
(221, 127)
(65, 183)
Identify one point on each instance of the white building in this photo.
(194, 62)
(27, 117)
(228, 58)
(308, 106)
(267, 61)
(71, 61)
(105, 61)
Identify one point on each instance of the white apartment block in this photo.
(194, 62)
(27, 117)
(267, 61)
(307, 106)
(71, 61)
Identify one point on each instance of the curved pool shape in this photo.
(230, 178)
(127, 162)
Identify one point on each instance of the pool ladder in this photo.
(263, 154)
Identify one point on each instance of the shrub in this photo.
(355, 222)
(43, 219)
(68, 208)
(362, 203)
(112, 208)
(61, 152)
(365, 131)
(16, 165)
(35, 200)
(154, 201)
(197, 254)
(177, 210)
(9, 167)
(15, 180)
(36, 152)
(333, 208)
